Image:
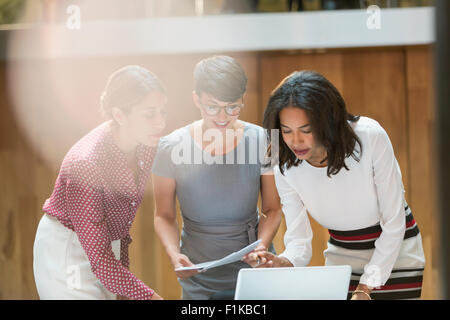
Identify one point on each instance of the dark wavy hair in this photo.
(327, 114)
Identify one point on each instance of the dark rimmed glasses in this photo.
(231, 110)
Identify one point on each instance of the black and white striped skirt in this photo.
(356, 248)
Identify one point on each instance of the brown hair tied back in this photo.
(127, 87)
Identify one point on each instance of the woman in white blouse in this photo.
(341, 169)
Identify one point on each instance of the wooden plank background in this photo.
(46, 106)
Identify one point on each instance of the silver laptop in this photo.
(301, 283)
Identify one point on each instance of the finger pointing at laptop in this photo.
(259, 258)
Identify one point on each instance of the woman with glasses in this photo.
(342, 170)
(215, 169)
(81, 245)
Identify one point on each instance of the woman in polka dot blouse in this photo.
(81, 245)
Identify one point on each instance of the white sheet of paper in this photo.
(233, 257)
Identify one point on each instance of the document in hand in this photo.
(233, 257)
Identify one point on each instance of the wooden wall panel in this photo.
(374, 86)
(26, 182)
(422, 189)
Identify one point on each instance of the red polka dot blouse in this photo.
(96, 196)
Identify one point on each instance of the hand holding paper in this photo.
(233, 257)
(180, 261)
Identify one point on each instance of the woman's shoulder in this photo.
(251, 126)
(172, 139)
(253, 130)
(81, 168)
(372, 135)
(286, 172)
(368, 128)
(366, 123)
(287, 177)
(92, 147)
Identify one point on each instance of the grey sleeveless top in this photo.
(218, 198)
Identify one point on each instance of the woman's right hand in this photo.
(180, 260)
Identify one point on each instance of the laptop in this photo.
(300, 283)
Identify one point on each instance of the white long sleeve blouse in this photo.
(370, 192)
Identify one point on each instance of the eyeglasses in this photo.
(231, 110)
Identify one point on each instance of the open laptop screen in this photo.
(300, 283)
